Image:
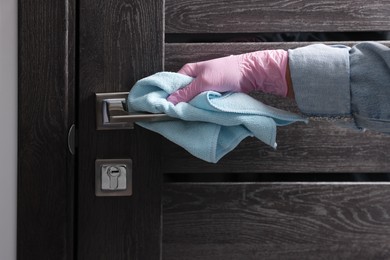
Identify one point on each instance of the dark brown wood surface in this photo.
(320, 146)
(120, 42)
(324, 145)
(276, 221)
(45, 114)
(237, 16)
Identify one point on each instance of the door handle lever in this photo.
(112, 112)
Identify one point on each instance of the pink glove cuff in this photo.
(265, 71)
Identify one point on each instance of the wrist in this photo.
(269, 72)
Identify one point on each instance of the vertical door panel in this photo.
(46, 37)
(120, 42)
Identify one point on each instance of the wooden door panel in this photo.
(120, 42)
(236, 16)
(318, 147)
(276, 221)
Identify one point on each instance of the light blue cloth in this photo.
(212, 124)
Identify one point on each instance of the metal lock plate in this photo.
(113, 177)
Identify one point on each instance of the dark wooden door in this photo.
(70, 50)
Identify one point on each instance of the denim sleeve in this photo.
(370, 85)
(321, 79)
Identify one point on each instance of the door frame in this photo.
(46, 111)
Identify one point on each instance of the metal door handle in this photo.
(112, 112)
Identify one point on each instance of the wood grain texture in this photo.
(46, 112)
(120, 42)
(320, 146)
(276, 221)
(324, 145)
(236, 16)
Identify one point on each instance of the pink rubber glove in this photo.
(256, 71)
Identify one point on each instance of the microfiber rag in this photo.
(211, 124)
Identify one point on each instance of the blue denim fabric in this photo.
(340, 81)
(320, 73)
(370, 86)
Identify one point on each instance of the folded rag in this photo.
(212, 124)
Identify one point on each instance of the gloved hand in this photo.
(256, 71)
